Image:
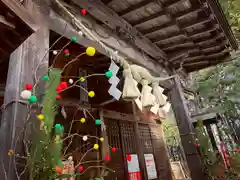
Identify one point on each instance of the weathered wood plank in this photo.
(23, 62)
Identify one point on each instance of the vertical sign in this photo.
(133, 167)
(150, 166)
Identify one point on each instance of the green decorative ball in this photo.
(74, 38)
(59, 129)
(108, 74)
(68, 54)
(32, 99)
(45, 78)
(97, 121)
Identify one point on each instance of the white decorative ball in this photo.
(25, 94)
(70, 81)
(70, 158)
(80, 33)
(85, 138)
(55, 52)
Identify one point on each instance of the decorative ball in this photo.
(40, 117)
(96, 146)
(28, 86)
(63, 85)
(108, 74)
(85, 138)
(82, 79)
(80, 33)
(70, 158)
(59, 129)
(66, 51)
(107, 158)
(235, 150)
(90, 51)
(82, 120)
(32, 99)
(101, 139)
(97, 121)
(84, 11)
(25, 94)
(129, 157)
(91, 94)
(81, 168)
(58, 96)
(45, 78)
(54, 52)
(59, 169)
(74, 38)
(70, 81)
(114, 149)
(196, 145)
(59, 88)
(68, 54)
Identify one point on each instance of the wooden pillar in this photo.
(186, 130)
(140, 152)
(22, 64)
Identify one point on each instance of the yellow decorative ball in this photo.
(101, 139)
(40, 117)
(90, 51)
(91, 94)
(82, 79)
(82, 120)
(96, 146)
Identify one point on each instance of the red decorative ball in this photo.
(63, 85)
(129, 157)
(58, 96)
(197, 145)
(28, 86)
(114, 149)
(66, 51)
(107, 158)
(235, 150)
(81, 168)
(84, 11)
(59, 88)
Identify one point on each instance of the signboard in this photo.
(133, 167)
(177, 170)
(150, 165)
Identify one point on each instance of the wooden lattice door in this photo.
(120, 135)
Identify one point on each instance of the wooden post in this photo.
(186, 130)
(140, 152)
(22, 64)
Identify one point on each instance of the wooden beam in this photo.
(186, 130)
(202, 32)
(157, 28)
(143, 3)
(214, 48)
(58, 25)
(178, 56)
(148, 18)
(209, 56)
(210, 41)
(181, 32)
(186, 44)
(98, 10)
(198, 22)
